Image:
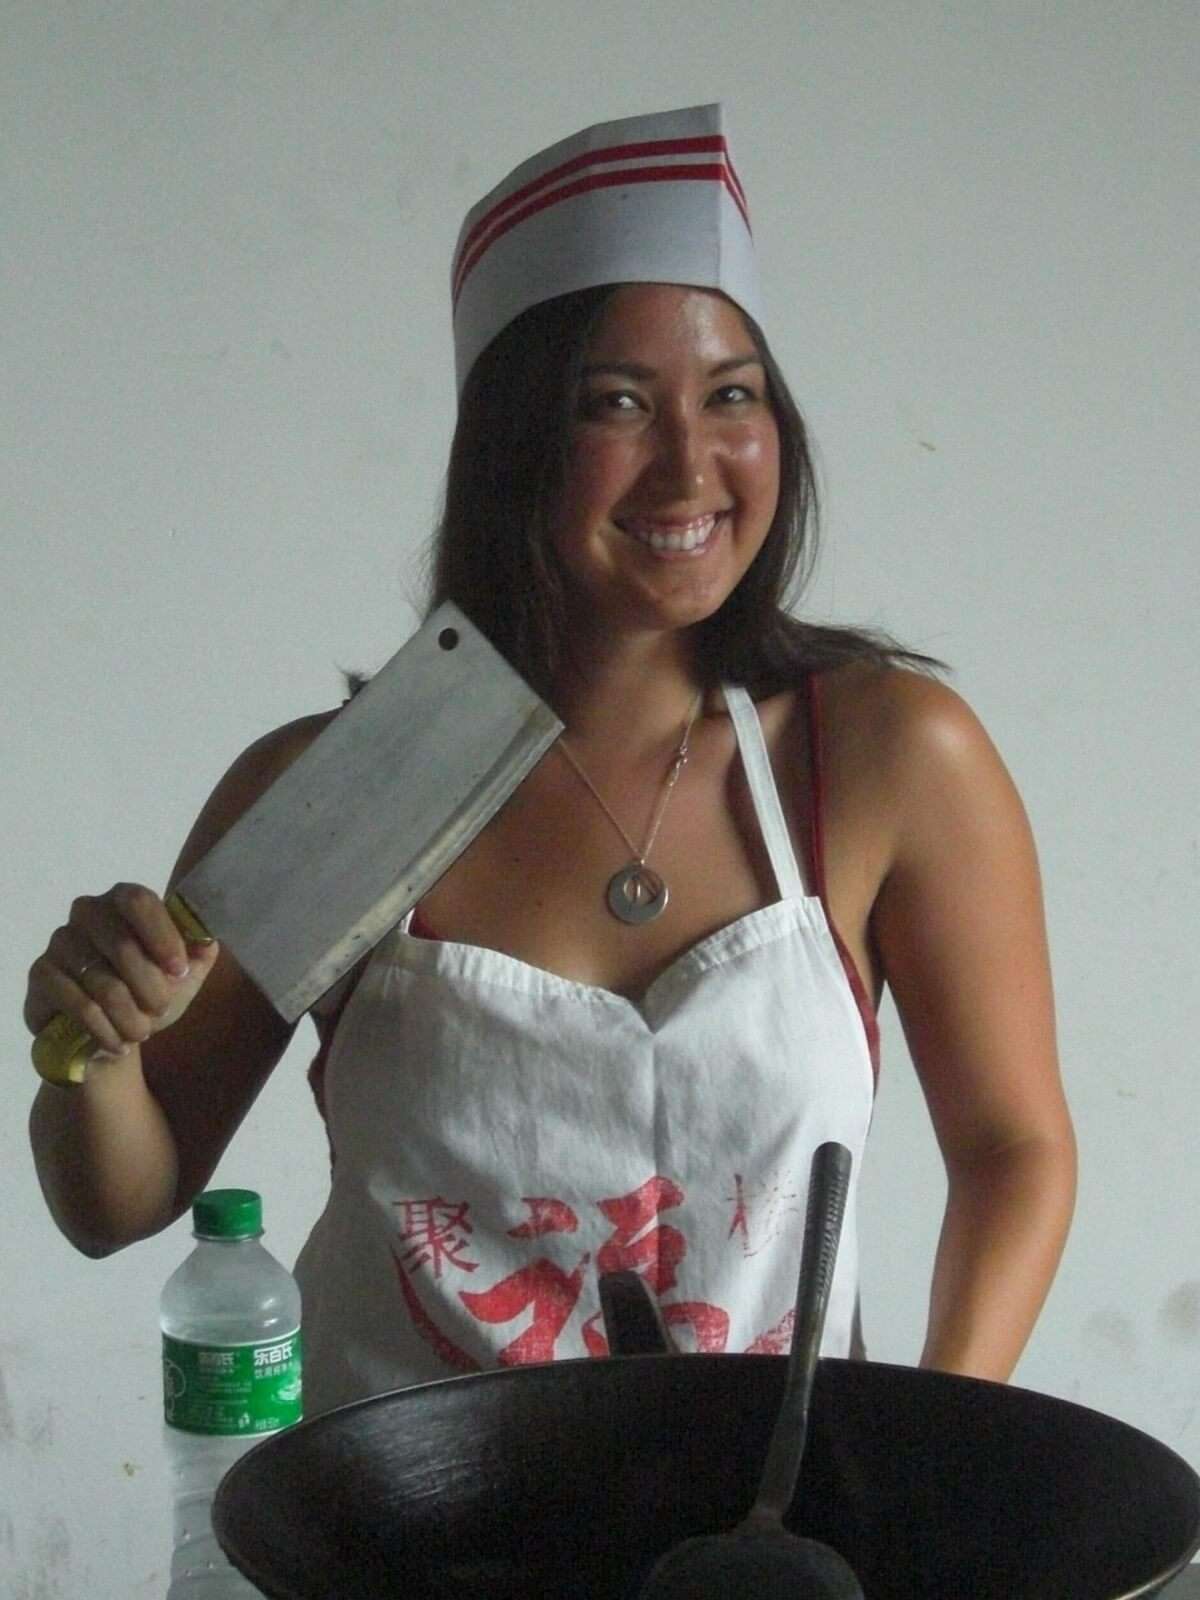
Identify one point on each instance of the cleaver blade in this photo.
(352, 834)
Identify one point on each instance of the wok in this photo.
(572, 1478)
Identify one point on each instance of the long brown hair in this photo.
(494, 557)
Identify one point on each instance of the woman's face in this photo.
(673, 471)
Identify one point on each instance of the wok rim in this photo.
(555, 1373)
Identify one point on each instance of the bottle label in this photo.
(235, 1390)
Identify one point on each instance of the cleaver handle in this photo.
(64, 1048)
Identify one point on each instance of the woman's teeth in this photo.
(690, 536)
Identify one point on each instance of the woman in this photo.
(613, 1033)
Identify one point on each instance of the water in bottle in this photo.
(230, 1318)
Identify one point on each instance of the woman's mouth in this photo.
(690, 538)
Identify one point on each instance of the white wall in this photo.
(225, 228)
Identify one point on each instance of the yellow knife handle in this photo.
(64, 1049)
(186, 920)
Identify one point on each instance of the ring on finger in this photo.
(86, 966)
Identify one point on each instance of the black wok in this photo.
(571, 1479)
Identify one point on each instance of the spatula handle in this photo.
(828, 1186)
(633, 1323)
(64, 1048)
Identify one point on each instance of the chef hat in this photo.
(645, 200)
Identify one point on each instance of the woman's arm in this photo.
(123, 1154)
(959, 929)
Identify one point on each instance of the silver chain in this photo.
(677, 766)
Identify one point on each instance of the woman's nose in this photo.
(681, 458)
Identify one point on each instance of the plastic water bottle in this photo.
(230, 1318)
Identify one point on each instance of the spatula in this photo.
(351, 835)
(759, 1559)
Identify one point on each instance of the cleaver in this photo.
(352, 834)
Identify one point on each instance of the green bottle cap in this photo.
(227, 1214)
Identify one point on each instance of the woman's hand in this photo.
(119, 967)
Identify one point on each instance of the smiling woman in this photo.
(672, 478)
(506, 479)
(612, 1035)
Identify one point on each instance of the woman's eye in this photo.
(734, 394)
(607, 402)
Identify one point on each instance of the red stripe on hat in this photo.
(709, 172)
(697, 145)
(701, 144)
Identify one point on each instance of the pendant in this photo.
(636, 895)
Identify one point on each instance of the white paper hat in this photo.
(650, 199)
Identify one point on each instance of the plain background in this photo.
(225, 232)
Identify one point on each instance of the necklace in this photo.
(636, 894)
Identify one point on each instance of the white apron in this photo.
(501, 1135)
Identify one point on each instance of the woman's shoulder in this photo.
(907, 736)
(274, 751)
(262, 762)
(893, 709)
(876, 712)
(248, 777)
